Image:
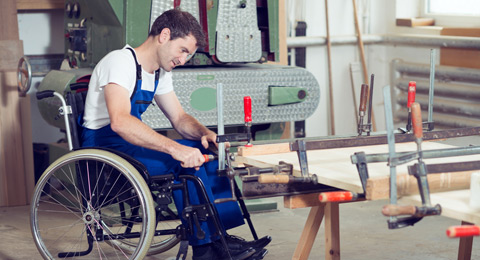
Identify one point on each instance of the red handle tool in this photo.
(412, 89)
(336, 196)
(209, 157)
(247, 108)
(463, 231)
(417, 120)
(363, 99)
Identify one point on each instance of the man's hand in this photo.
(212, 138)
(189, 157)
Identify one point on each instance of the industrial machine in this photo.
(242, 36)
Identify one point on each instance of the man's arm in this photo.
(186, 125)
(138, 133)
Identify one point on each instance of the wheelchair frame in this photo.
(110, 199)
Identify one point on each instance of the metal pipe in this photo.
(451, 90)
(446, 120)
(428, 154)
(305, 41)
(432, 83)
(446, 105)
(397, 39)
(446, 73)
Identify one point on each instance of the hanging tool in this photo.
(362, 52)
(362, 108)
(366, 95)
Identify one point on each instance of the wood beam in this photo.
(379, 187)
(40, 4)
(16, 149)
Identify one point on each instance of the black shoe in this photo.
(217, 252)
(236, 252)
(256, 244)
(258, 255)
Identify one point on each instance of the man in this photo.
(121, 89)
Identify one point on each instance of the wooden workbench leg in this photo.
(310, 230)
(465, 246)
(332, 232)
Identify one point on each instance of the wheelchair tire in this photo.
(86, 198)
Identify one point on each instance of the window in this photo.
(458, 13)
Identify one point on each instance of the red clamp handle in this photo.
(247, 108)
(335, 196)
(412, 89)
(463, 231)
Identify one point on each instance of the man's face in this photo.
(177, 52)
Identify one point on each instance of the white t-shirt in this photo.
(118, 67)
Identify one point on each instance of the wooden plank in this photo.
(455, 204)
(11, 150)
(378, 187)
(263, 149)
(16, 151)
(309, 233)
(332, 232)
(457, 56)
(411, 22)
(301, 201)
(333, 167)
(40, 4)
(11, 51)
(282, 33)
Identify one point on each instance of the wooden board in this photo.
(412, 22)
(467, 58)
(455, 204)
(333, 167)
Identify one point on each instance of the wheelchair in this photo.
(98, 203)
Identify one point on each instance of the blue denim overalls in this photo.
(158, 163)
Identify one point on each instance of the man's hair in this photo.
(181, 24)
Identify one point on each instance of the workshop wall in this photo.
(42, 33)
(376, 17)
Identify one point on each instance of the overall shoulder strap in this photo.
(139, 68)
(139, 72)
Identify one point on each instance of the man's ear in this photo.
(164, 35)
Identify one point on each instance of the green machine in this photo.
(94, 28)
(242, 36)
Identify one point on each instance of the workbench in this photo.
(455, 205)
(333, 167)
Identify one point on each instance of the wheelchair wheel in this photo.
(163, 243)
(162, 240)
(88, 197)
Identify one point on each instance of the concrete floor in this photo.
(363, 235)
